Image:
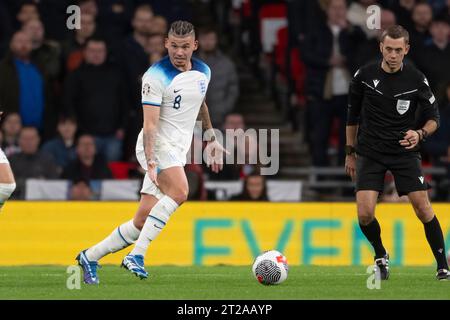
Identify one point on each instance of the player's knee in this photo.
(180, 195)
(139, 222)
(365, 216)
(365, 220)
(424, 211)
(6, 190)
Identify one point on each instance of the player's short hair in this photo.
(181, 29)
(395, 32)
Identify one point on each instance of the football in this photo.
(270, 267)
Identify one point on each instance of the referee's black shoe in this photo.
(443, 274)
(382, 267)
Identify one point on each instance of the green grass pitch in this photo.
(222, 282)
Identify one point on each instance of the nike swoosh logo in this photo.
(176, 91)
(157, 227)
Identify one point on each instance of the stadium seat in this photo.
(272, 17)
(120, 170)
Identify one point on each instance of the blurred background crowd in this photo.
(71, 98)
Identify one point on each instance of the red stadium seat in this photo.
(272, 17)
(298, 75)
(120, 170)
(288, 63)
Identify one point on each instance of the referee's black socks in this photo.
(372, 231)
(435, 238)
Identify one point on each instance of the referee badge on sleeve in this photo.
(403, 106)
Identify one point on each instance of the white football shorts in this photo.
(166, 157)
(3, 158)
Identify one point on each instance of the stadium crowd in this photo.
(72, 97)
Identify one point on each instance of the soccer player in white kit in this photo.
(173, 95)
(7, 182)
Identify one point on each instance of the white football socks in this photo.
(157, 219)
(122, 237)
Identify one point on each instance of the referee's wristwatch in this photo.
(349, 150)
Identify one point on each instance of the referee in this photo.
(382, 134)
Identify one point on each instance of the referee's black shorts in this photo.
(406, 169)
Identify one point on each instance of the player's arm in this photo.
(205, 119)
(351, 130)
(152, 93)
(149, 131)
(214, 149)
(430, 113)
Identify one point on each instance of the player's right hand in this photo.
(152, 172)
(350, 166)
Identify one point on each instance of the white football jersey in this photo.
(179, 95)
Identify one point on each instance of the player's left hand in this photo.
(410, 140)
(214, 156)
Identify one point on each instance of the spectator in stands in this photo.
(88, 165)
(171, 9)
(390, 194)
(24, 88)
(434, 60)
(134, 62)
(303, 16)
(6, 28)
(328, 53)
(419, 35)
(158, 25)
(194, 171)
(223, 88)
(114, 16)
(88, 7)
(44, 52)
(54, 15)
(196, 181)
(254, 189)
(62, 147)
(403, 11)
(155, 47)
(446, 10)
(357, 15)
(72, 48)
(438, 145)
(81, 191)
(27, 12)
(30, 163)
(369, 50)
(95, 94)
(245, 153)
(11, 127)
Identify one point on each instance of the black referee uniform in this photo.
(385, 106)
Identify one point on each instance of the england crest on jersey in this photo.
(202, 87)
(403, 106)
